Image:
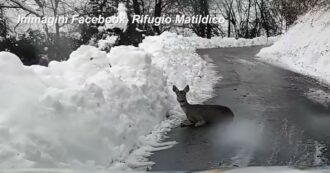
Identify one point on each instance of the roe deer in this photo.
(199, 115)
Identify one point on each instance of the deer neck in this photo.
(184, 104)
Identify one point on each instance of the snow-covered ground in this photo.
(204, 43)
(319, 96)
(215, 42)
(97, 110)
(273, 169)
(277, 169)
(305, 48)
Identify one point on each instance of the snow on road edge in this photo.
(180, 53)
(305, 48)
(219, 42)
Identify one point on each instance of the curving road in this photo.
(275, 122)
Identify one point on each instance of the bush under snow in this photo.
(305, 48)
(107, 43)
(119, 20)
(82, 113)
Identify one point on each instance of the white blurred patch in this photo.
(246, 136)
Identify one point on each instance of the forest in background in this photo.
(244, 19)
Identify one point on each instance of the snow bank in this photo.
(96, 110)
(80, 112)
(305, 48)
(215, 42)
(181, 64)
(319, 96)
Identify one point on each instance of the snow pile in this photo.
(215, 42)
(96, 110)
(78, 112)
(181, 64)
(305, 48)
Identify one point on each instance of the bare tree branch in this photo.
(26, 8)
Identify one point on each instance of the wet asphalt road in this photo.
(275, 123)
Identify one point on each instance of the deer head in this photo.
(181, 96)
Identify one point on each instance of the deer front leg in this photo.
(200, 120)
(200, 123)
(186, 123)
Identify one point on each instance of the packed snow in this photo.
(97, 110)
(183, 65)
(216, 42)
(319, 96)
(305, 48)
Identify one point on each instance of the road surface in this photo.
(275, 122)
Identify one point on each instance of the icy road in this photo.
(281, 118)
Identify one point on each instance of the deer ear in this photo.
(175, 89)
(186, 89)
